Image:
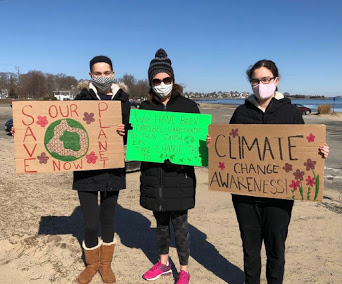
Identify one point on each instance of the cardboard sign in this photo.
(160, 135)
(67, 136)
(277, 161)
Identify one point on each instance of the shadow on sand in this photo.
(135, 232)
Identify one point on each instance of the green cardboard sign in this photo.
(160, 135)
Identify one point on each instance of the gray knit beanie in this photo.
(160, 64)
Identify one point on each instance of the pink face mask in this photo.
(264, 91)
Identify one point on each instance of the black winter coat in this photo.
(168, 187)
(279, 111)
(106, 179)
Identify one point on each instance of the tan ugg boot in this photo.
(92, 257)
(106, 272)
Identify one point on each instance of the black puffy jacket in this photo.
(168, 187)
(106, 179)
(279, 111)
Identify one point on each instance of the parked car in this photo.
(9, 125)
(303, 109)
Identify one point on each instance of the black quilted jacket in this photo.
(168, 187)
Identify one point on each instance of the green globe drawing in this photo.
(66, 140)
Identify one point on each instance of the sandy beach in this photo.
(41, 226)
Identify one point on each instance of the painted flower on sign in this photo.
(287, 168)
(234, 132)
(295, 184)
(310, 165)
(298, 175)
(310, 181)
(43, 158)
(42, 120)
(311, 138)
(91, 158)
(221, 166)
(88, 117)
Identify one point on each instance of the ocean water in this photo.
(310, 103)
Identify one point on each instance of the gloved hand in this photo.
(128, 126)
(168, 164)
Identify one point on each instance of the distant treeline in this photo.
(303, 96)
(38, 85)
(236, 94)
(34, 84)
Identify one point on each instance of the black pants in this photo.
(179, 221)
(95, 215)
(266, 221)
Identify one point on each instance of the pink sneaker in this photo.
(184, 278)
(158, 270)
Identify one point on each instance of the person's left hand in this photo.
(324, 150)
(121, 129)
(208, 140)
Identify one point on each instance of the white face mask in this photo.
(264, 91)
(162, 91)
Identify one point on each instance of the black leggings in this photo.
(266, 222)
(179, 221)
(95, 215)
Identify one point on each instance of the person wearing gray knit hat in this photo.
(159, 64)
(167, 189)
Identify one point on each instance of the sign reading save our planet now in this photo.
(160, 135)
(277, 161)
(67, 136)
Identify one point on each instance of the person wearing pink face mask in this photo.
(265, 219)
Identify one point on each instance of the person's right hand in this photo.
(121, 130)
(12, 131)
(208, 140)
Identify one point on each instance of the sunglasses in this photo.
(166, 81)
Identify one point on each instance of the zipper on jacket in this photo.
(161, 179)
(160, 189)
(107, 185)
(160, 184)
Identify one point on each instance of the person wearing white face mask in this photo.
(168, 189)
(265, 219)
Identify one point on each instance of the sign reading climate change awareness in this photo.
(67, 136)
(278, 161)
(160, 135)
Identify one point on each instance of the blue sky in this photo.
(211, 43)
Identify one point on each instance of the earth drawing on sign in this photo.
(66, 140)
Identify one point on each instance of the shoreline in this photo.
(333, 115)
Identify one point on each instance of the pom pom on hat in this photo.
(160, 64)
